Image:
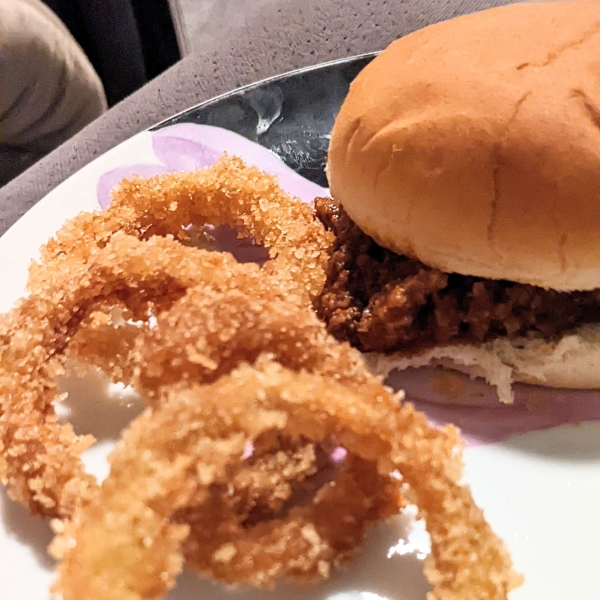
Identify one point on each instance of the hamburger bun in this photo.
(473, 145)
(573, 362)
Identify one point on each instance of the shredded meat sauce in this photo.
(384, 302)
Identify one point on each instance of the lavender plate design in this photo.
(472, 405)
(186, 147)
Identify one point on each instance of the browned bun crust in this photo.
(473, 145)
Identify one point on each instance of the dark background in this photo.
(129, 42)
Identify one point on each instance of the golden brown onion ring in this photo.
(124, 544)
(194, 442)
(228, 193)
(42, 466)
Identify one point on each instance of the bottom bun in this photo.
(573, 362)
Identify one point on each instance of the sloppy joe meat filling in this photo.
(380, 301)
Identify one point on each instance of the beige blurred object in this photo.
(48, 88)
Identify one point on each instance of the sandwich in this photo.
(464, 170)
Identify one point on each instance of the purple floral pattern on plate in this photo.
(473, 405)
(187, 146)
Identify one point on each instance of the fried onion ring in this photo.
(42, 467)
(228, 193)
(126, 544)
(208, 332)
(76, 276)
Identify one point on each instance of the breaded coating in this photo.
(192, 447)
(229, 193)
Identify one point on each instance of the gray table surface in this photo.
(270, 37)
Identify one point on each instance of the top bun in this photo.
(473, 145)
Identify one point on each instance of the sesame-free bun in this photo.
(572, 362)
(473, 145)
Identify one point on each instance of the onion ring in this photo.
(208, 332)
(43, 468)
(195, 439)
(229, 193)
(42, 464)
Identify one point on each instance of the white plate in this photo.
(540, 490)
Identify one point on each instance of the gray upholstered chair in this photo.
(246, 41)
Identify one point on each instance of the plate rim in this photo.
(262, 82)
